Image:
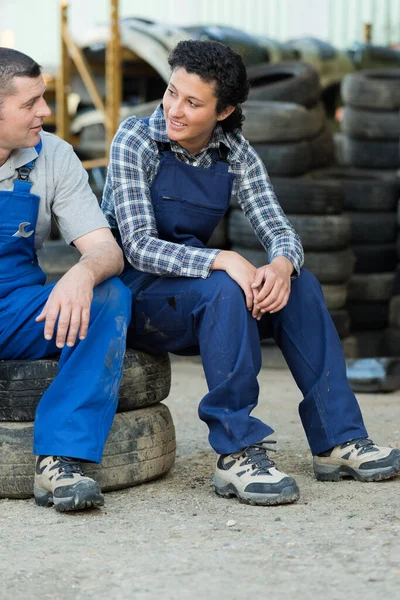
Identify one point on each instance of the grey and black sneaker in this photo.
(360, 458)
(253, 477)
(59, 480)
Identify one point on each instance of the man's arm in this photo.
(71, 297)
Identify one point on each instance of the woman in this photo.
(169, 184)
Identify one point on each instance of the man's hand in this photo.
(271, 287)
(239, 269)
(71, 297)
(69, 302)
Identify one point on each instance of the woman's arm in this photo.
(133, 156)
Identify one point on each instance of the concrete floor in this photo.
(175, 539)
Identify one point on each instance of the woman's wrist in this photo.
(220, 261)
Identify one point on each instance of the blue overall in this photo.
(75, 414)
(209, 316)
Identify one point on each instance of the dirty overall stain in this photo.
(172, 302)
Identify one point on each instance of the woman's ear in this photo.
(224, 114)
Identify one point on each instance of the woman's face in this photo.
(190, 110)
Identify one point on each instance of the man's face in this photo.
(22, 114)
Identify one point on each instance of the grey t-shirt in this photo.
(62, 184)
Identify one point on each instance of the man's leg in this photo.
(75, 414)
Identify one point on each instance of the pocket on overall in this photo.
(186, 222)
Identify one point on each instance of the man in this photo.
(84, 316)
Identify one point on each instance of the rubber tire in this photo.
(394, 314)
(328, 267)
(373, 228)
(146, 381)
(368, 315)
(299, 196)
(371, 154)
(335, 295)
(292, 158)
(313, 231)
(375, 258)
(391, 341)
(373, 287)
(219, 238)
(322, 149)
(377, 89)
(287, 81)
(362, 190)
(140, 447)
(370, 124)
(281, 121)
(341, 320)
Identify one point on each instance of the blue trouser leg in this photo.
(311, 346)
(180, 314)
(75, 414)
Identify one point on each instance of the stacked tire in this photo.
(286, 124)
(370, 200)
(140, 446)
(370, 149)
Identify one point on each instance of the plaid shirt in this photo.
(127, 201)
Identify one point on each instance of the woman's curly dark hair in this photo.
(214, 62)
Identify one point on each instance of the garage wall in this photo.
(23, 22)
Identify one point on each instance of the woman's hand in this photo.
(271, 287)
(239, 269)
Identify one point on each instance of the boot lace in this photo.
(256, 455)
(68, 467)
(362, 444)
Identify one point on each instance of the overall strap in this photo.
(22, 183)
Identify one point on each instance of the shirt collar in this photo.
(18, 158)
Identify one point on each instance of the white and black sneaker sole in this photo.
(287, 495)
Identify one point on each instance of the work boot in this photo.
(253, 477)
(360, 459)
(59, 480)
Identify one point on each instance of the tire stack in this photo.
(141, 444)
(370, 149)
(285, 123)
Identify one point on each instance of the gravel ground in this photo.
(174, 538)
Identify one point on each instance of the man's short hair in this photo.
(14, 64)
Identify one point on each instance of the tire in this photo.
(363, 190)
(146, 381)
(56, 258)
(317, 232)
(281, 121)
(371, 154)
(375, 258)
(341, 321)
(374, 287)
(293, 158)
(305, 196)
(377, 89)
(302, 197)
(368, 315)
(322, 149)
(140, 447)
(373, 228)
(291, 82)
(219, 238)
(371, 124)
(394, 314)
(391, 341)
(335, 295)
(369, 343)
(328, 267)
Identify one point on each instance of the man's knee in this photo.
(114, 296)
(223, 287)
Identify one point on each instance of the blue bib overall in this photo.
(209, 316)
(75, 414)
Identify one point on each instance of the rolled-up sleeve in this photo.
(270, 224)
(128, 190)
